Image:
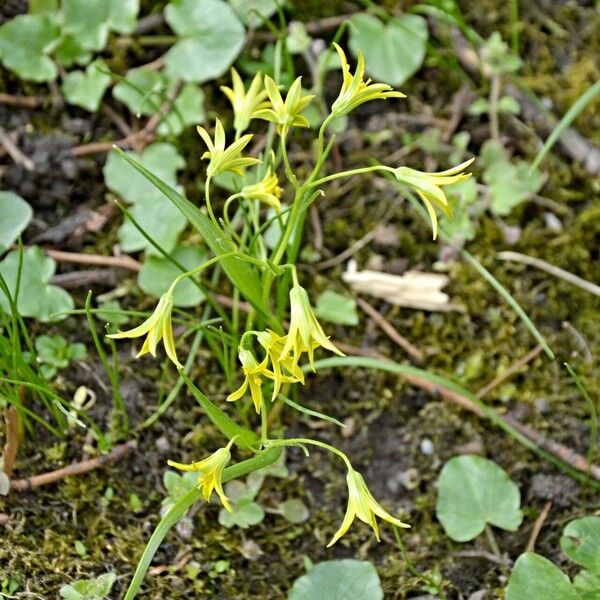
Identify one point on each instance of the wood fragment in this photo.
(414, 289)
(23, 101)
(121, 262)
(79, 468)
(537, 527)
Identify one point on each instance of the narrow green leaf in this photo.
(245, 439)
(243, 275)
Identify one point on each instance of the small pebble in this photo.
(426, 447)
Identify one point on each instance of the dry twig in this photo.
(537, 527)
(31, 483)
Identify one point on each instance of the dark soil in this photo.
(400, 436)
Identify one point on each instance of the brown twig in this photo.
(14, 152)
(537, 527)
(390, 330)
(122, 262)
(23, 101)
(11, 446)
(31, 483)
(138, 138)
(486, 389)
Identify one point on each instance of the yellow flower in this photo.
(429, 187)
(158, 326)
(211, 473)
(286, 113)
(305, 333)
(253, 374)
(267, 190)
(244, 104)
(274, 345)
(361, 504)
(225, 159)
(355, 91)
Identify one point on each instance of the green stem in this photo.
(211, 214)
(428, 580)
(308, 441)
(350, 173)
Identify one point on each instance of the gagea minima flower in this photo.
(361, 504)
(305, 333)
(280, 362)
(286, 113)
(266, 190)
(429, 187)
(157, 326)
(355, 91)
(253, 374)
(211, 473)
(244, 103)
(225, 159)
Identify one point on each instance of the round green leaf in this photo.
(253, 12)
(212, 38)
(393, 51)
(474, 491)
(534, 577)
(87, 22)
(86, 89)
(36, 297)
(580, 541)
(338, 580)
(294, 511)
(245, 514)
(188, 109)
(335, 308)
(122, 16)
(158, 274)
(24, 43)
(15, 215)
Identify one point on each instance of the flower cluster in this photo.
(305, 335)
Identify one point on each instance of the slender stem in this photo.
(208, 204)
(411, 567)
(264, 422)
(298, 441)
(351, 173)
(494, 96)
(288, 168)
(491, 539)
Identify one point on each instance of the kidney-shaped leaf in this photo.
(158, 274)
(474, 491)
(15, 214)
(338, 580)
(24, 43)
(212, 37)
(37, 298)
(580, 541)
(534, 577)
(394, 50)
(86, 89)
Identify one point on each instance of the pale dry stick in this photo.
(123, 262)
(588, 286)
(23, 101)
(4, 518)
(11, 446)
(14, 152)
(486, 389)
(537, 527)
(390, 330)
(350, 251)
(79, 468)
